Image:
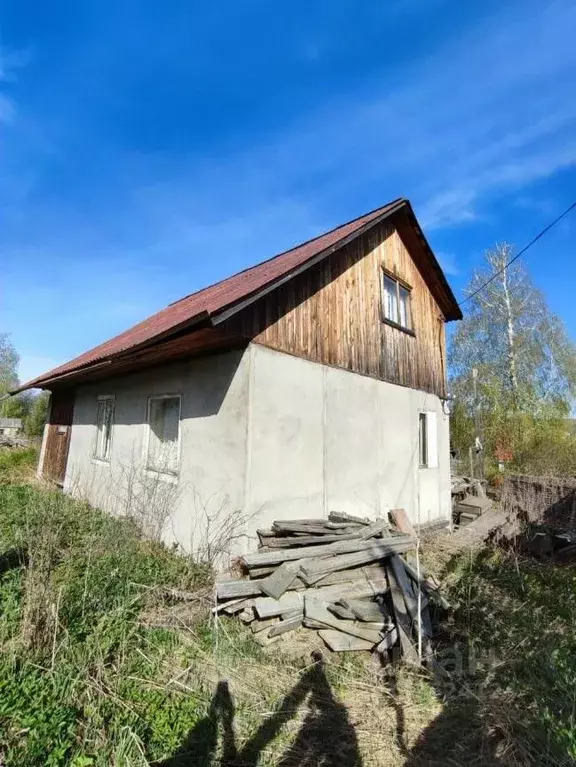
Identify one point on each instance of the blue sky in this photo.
(147, 148)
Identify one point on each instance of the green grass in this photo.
(92, 674)
(17, 464)
(518, 617)
(81, 679)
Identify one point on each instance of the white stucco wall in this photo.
(324, 439)
(264, 436)
(210, 486)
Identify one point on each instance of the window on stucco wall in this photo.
(427, 440)
(163, 446)
(104, 422)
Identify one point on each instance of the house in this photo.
(314, 381)
(10, 427)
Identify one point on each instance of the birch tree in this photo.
(525, 359)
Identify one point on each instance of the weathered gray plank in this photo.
(251, 588)
(375, 528)
(265, 532)
(363, 610)
(317, 611)
(426, 584)
(285, 626)
(338, 641)
(341, 612)
(258, 626)
(370, 573)
(233, 606)
(310, 540)
(232, 609)
(266, 607)
(310, 624)
(406, 585)
(280, 580)
(237, 589)
(312, 571)
(289, 614)
(305, 521)
(300, 527)
(341, 516)
(379, 549)
(259, 572)
(247, 615)
(403, 622)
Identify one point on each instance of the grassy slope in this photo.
(97, 669)
(515, 630)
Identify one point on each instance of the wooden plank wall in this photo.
(332, 313)
(58, 435)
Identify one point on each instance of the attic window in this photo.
(397, 309)
(163, 449)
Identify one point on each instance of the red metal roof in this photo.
(218, 297)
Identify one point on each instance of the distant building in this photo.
(10, 427)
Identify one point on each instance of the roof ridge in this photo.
(288, 250)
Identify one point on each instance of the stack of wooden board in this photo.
(344, 577)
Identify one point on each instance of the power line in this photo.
(524, 249)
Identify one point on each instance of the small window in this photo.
(104, 421)
(423, 439)
(427, 440)
(397, 303)
(163, 451)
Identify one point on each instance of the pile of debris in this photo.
(469, 500)
(6, 441)
(344, 577)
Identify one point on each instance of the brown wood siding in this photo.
(332, 313)
(58, 436)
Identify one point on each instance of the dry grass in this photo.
(18, 465)
(293, 711)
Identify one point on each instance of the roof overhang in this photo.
(201, 334)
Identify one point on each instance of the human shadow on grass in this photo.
(326, 737)
(458, 736)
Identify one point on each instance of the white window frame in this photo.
(95, 457)
(431, 421)
(399, 285)
(167, 476)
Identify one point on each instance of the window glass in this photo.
(164, 434)
(423, 439)
(391, 299)
(104, 420)
(397, 303)
(404, 306)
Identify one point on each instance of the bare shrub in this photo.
(148, 499)
(218, 529)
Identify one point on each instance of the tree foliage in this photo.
(525, 362)
(9, 360)
(37, 414)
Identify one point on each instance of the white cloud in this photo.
(448, 263)
(490, 113)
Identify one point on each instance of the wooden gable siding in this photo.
(332, 313)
